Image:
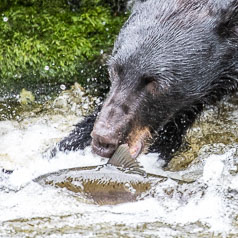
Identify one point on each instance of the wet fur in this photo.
(194, 63)
(80, 137)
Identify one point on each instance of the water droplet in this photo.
(62, 87)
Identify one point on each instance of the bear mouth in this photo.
(136, 140)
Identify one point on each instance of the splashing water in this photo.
(205, 208)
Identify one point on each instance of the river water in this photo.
(207, 207)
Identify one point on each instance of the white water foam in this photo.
(174, 209)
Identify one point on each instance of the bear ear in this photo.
(228, 23)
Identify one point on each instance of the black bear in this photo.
(170, 59)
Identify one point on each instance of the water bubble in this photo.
(62, 87)
(85, 106)
(47, 67)
(98, 101)
(5, 19)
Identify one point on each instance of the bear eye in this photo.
(149, 84)
(146, 80)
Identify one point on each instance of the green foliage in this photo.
(45, 41)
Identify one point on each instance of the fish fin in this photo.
(122, 159)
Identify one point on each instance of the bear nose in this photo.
(104, 142)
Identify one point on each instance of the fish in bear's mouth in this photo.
(137, 141)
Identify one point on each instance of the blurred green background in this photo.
(45, 43)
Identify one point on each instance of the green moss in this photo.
(45, 41)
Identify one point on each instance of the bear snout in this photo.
(104, 140)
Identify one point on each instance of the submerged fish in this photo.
(120, 180)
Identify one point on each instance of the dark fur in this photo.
(80, 137)
(171, 58)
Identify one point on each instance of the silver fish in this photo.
(120, 180)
